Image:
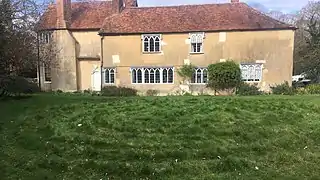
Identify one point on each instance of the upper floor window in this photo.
(200, 76)
(153, 75)
(151, 43)
(109, 75)
(45, 37)
(251, 72)
(196, 40)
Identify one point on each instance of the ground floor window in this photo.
(109, 75)
(251, 72)
(152, 75)
(200, 76)
(47, 73)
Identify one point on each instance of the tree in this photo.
(307, 54)
(224, 76)
(18, 40)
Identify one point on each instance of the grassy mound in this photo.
(159, 138)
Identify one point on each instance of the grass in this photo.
(79, 137)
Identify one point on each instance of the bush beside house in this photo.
(16, 86)
(224, 76)
(118, 91)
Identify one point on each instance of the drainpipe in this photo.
(101, 61)
(38, 59)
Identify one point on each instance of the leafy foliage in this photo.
(118, 91)
(16, 86)
(307, 41)
(283, 89)
(186, 72)
(152, 92)
(313, 89)
(246, 89)
(224, 76)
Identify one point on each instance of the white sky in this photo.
(280, 5)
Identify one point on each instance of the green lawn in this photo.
(74, 137)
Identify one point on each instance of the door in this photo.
(96, 79)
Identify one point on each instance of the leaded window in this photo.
(196, 40)
(45, 37)
(200, 76)
(251, 72)
(152, 75)
(151, 43)
(109, 75)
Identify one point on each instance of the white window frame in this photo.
(198, 40)
(151, 37)
(109, 71)
(145, 70)
(46, 37)
(251, 72)
(201, 73)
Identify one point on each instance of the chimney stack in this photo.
(234, 1)
(63, 13)
(117, 6)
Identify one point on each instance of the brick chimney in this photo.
(63, 13)
(117, 6)
(234, 1)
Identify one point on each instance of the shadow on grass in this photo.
(9, 98)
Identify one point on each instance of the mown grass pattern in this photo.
(160, 138)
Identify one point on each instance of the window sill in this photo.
(195, 53)
(47, 82)
(152, 83)
(252, 81)
(160, 52)
(198, 83)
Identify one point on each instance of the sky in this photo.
(278, 5)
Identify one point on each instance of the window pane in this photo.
(244, 72)
(139, 76)
(170, 75)
(152, 45)
(157, 46)
(205, 76)
(193, 79)
(146, 45)
(106, 76)
(198, 78)
(134, 76)
(194, 47)
(47, 73)
(146, 76)
(251, 73)
(152, 76)
(198, 47)
(112, 78)
(157, 76)
(165, 76)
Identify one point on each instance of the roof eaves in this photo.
(102, 33)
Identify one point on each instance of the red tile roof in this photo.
(186, 18)
(84, 15)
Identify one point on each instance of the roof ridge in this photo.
(182, 5)
(82, 2)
